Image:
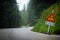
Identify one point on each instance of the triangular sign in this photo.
(51, 18)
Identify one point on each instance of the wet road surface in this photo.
(25, 34)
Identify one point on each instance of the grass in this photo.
(40, 25)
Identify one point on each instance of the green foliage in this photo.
(35, 8)
(41, 27)
(10, 14)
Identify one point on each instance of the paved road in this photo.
(24, 34)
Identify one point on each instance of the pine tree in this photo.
(10, 15)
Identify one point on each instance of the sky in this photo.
(21, 4)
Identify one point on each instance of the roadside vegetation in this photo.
(42, 27)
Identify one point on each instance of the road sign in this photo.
(50, 18)
(50, 21)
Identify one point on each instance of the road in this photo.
(25, 34)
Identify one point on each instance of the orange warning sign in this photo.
(50, 18)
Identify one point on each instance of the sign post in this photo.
(50, 21)
(48, 29)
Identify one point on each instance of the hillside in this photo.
(42, 27)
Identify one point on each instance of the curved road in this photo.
(25, 34)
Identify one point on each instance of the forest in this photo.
(11, 17)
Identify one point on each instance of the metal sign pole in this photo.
(48, 29)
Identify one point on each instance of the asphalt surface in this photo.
(25, 34)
